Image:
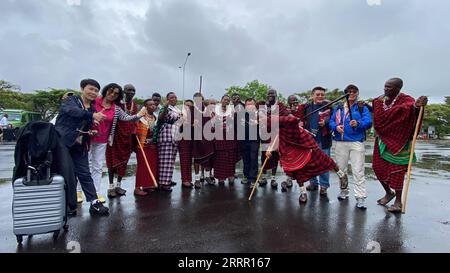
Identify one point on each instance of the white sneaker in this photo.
(361, 203)
(343, 195)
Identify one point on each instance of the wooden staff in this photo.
(146, 162)
(411, 156)
(262, 168)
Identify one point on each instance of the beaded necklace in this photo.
(387, 107)
(131, 108)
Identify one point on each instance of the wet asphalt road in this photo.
(219, 219)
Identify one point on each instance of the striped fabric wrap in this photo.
(401, 158)
(141, 132)
(295, 158)
(142, 127)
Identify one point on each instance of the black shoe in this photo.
(231, 181)
(210, 180)
(120, 191)
(173, 183)
(98, 209)
(263, 182)
(72, 212)
(165, 188)
(274, 184)
(284, 186)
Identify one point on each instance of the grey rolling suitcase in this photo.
(39, 206)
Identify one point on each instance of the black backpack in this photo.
(34, 152)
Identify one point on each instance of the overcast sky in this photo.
(290, 45)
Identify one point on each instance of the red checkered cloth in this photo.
(293, 137)
(272, 162)
(143, 177)
(282, 111)
(388, 173)
(395, 126)
(224, 164)
(202, 150)
(294, 158)
(185, 150)
(318, 164)
(119, 153)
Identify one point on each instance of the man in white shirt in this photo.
(156, 97)
(4, 121)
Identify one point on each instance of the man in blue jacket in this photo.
(349, 133)
(75, 119)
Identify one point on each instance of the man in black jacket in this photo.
(76, 117)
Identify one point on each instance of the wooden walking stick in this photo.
(146, 162)
(262, 169)
(411, 156)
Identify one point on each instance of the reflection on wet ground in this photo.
(220, 219)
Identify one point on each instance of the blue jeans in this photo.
(323, 179)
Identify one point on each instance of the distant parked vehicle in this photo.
(18, 118)
(446, 137)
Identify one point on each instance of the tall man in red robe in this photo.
(394, 119)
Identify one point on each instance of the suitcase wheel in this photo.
(19, 239)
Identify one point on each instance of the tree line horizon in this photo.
(47, 102)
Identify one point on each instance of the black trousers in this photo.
(79, 154)
(250, 152)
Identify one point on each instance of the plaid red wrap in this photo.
(185, 150)
(293, 137)
(143, 177)
(272, 162)
(395, 127)
(386, 172)
(203, 149)
(119, 153)
(319, 163)
(224, 164)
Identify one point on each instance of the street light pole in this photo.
(184, 69)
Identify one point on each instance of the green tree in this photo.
(447, 100)
(12, 98)
(4, 85)
(47, 102)
(437, 115)
(253, 89)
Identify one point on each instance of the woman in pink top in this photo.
(112, 94)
